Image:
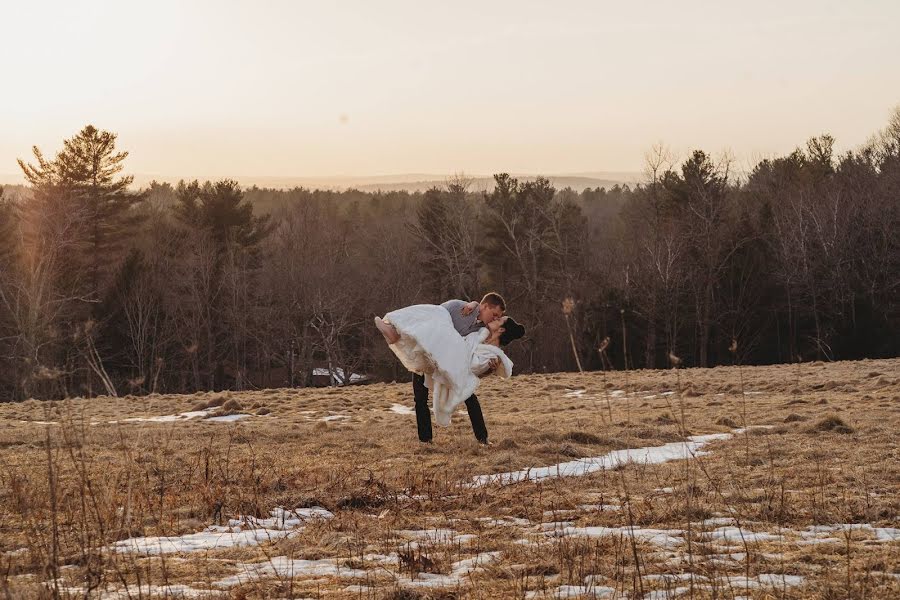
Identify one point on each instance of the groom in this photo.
(466, 319)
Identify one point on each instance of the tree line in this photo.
(105, 289)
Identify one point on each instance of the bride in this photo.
(424, 339)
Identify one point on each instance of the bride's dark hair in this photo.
(511, 331)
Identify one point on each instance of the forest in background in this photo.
(106, 289)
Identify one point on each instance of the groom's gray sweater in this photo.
(464, 324)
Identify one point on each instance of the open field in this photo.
(326, 493)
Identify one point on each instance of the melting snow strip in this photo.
(573, 591)
(243, 531)
(659, 537)
(284, 567)
(185, 416)
(583, 466)
(458, 571)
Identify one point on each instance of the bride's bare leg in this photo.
(387, 330)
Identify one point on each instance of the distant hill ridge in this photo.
(411, 182)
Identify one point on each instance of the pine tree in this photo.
(83, 181)
(220, 209)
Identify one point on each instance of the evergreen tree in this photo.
(220, 209)
(83, 181)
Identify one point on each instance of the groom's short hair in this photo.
(494, 299)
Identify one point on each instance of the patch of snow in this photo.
(556, 525)
(402, 409)
(458, 571)
(140, 591)
(185, 416)
(824, 540)
(228, 418)
(820, 533)
(328, 418)
(382, 559)
(764, 580)
(573, 591)
(667, 594)
(599, 507)
(561, 512)
(284, 567)
(731, 534)
(574, 393)
(719, 521)
(726, 558)
(674, 577)
(243, 531)
(434, 536)
(659, 537)
(583, 466)
(505, 521)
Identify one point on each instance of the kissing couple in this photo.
(449, 348)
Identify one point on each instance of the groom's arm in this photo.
(454, 306)
(464, 324)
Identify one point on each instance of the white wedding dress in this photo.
(431, 346)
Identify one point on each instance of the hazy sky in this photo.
(291, 88)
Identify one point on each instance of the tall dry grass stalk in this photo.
(604, 361)
(568, 307)
(627, 369)
(733, 348)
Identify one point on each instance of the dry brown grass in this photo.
(69, 489)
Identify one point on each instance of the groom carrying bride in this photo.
(422, 338)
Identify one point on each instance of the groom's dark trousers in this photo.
(423, 415)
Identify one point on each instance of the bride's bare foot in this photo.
(387, 330)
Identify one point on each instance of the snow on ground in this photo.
(660, 537)
(228, 418)
(458, 571)
(329, 418)
(737, 535)
(185, 416)
(402, 409)
(573, 591)
(204, 414)
(599, 507)
(772, 580)
(433, 536)
(138, 591)
(243, 531)
(286, 568)
(821, 534)
(583, 466)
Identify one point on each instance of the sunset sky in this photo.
(291, 88)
